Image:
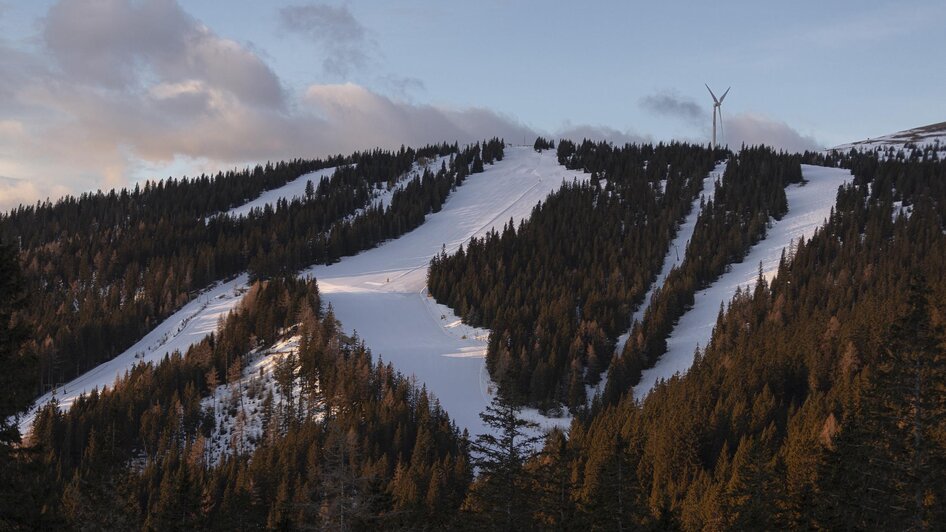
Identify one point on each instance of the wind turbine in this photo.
(717, 110)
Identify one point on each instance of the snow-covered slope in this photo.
(290, 191)
(189, 325)
(381, 293)
(809, 205)
(240, 409)
(677, 247)
(295, 189)
(931, 135)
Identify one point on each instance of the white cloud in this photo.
(353, 115)
(751, 129)
(121, 87)
(578, 133)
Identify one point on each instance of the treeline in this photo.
(750, 194)
(557, 290)
(819, 402)
(106, 268)
(294, 243)
(364, 449)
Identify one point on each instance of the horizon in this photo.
(103, 95)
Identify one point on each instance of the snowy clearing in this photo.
(186, 327)
(809, 205)
(290, 191)
(240, 409)
(381, 293)
(295, 189)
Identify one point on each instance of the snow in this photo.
(295, 189)
(933, 135)
(186, 327)
(246, 398)
(809, 205)
(290, 191)
(381, 293)
(900, 209)
(674, 256)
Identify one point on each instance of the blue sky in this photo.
(836, 70)
(97, 93)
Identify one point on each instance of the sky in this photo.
(96, 94)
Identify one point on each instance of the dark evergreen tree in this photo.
(501, 494)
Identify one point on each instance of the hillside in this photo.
(338, 393)
(933, 136)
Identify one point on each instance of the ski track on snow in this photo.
(675, 254)
(186, 327)
(380, 293)
(809, 205)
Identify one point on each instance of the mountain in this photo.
(392, 339)
(933, 135)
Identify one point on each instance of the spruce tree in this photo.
(502, 493)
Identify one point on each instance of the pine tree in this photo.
(885, 470)
(501, 494)
(20, 488)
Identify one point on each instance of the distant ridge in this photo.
(933, 134)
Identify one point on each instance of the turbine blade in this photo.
(711, 93)
(723, 97)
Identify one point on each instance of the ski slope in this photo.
(381, 293)
(809, 205)
(677, 248)
(186, 327)
(294, 189)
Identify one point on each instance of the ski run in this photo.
(380, 294)
(809, 205)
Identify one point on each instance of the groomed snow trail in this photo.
(290, 191)
(186, 327)
(809, 205)
(295, 189)
(200, 316)
(677, 247)
(381, 293)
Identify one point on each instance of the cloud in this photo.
(20, 191)
(354, 116)
(125, 89)
(121, 45)
(750, 129)
(738, 129)
(669, 103)
(578, 133)
(335, 30)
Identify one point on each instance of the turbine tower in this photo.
(717, 110)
